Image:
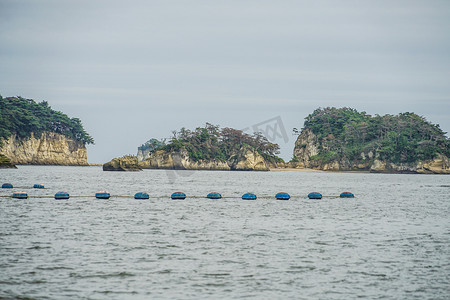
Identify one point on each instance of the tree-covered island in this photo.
(345, 139)
(23, 117)
(34, 133)
(214, 143)
(204, 148)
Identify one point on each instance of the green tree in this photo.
(24, 116)
(403, 138)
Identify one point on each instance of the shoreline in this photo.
(307, 170)
(294, 170)
(315, 170)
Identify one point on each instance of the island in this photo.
(332, 139)
(34, 133)
(204, 148)
(343, 139)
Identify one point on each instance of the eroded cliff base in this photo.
(246, 159)
(5, 163)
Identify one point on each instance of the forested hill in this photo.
(345, 133)
(214, 143)
(24, 116)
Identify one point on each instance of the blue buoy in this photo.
(214, 195)
(61, 195)
(282, 196)
(102, 195)
(347, 195)
(7, 186)
(178, 196)
(141, 195)
(38, 186)
(20, 195)
(249, 196)
(315, 195)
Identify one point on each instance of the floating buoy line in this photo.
(175, 196)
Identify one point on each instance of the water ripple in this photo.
(390, 242)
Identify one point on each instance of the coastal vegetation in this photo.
(23, 117)
(212, 142)
(345, 133)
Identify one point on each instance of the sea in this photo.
(392, 241)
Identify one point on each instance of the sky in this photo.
(135, 70)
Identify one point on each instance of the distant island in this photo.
(332, 139)
(204, 148)
(34, 133)
(343, 139)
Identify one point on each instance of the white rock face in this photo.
(50, 149)
(245, 159)
(306, 146)
(143, 155)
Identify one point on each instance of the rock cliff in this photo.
(439, 165)
(48, 149)
(143, 154)
(307, 147)
(246, 159)
(126, 163)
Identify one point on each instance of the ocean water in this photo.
(392, 241)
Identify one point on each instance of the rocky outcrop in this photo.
(126, 163)
(6, 163)
(179, 160)
(439, 165)
(143, 154)
(307, 146)
(48, 149)
(246, 159)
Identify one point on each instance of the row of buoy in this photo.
(181, 196)
(10, 186)
(20, 195)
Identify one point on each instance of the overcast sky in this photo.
(134, 70)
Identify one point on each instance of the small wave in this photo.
(106, 292)
(300, 269)
(321, 243)
(216, 274)
(10, 283)
(211, 284)
(256, 235)
(37, 281)
(370, 274)
(227, 261)
(103, 275)
(38, 247)
(53, 268)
